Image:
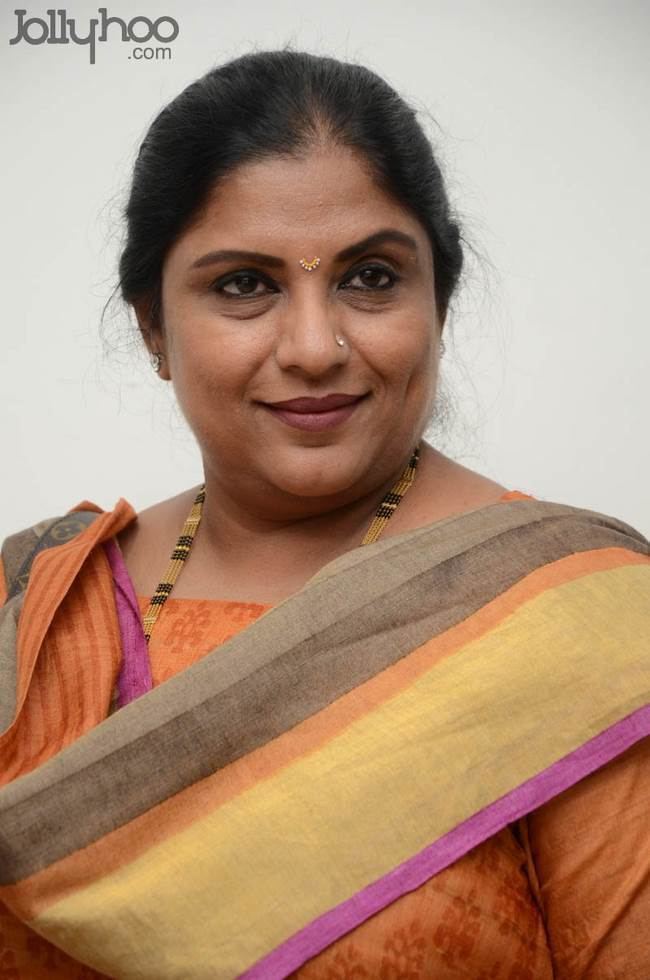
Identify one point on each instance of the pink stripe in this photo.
(411, 874)
(135, 673)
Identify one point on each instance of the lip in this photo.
(315, 414)
(308, 405)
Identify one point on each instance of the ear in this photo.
(153, 336)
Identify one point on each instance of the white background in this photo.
(542, 113)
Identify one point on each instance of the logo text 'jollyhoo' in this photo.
(63, 30)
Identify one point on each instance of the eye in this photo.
(245, 282)
(370, 276)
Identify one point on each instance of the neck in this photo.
(233, 522)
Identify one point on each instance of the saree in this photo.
(415, 698)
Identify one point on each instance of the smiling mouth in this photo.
(315, 414)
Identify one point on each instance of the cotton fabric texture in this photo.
(430, 762)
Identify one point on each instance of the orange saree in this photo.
(562, 892)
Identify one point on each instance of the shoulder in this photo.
(443, 488)
(456, 485)
(19, 550)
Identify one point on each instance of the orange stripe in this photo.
(34, 895)
(52, 573)
(517, 495)
(73, 678)
(80, 654)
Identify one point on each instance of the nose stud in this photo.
(340, 341)
(310, 265)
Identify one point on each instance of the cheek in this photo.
(217, 354)
(404, 354)
(210, 372)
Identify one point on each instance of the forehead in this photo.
(328, 197)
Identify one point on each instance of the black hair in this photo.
(270, 103)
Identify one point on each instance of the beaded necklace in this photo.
(383, 514)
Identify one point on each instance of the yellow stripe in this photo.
(233, 886)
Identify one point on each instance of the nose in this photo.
(307, 336)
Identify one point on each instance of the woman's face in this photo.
(244, 332)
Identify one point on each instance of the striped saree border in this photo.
(392, 617)
(533, 793)
(125, 843)
(385, 762)
(366, 611)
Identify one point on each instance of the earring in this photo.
(340, 341)
(156, 361)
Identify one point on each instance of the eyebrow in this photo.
(351, 252)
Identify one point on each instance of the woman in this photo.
(378, 715)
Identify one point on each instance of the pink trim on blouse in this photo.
(135, 673)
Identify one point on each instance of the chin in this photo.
(316, 471)
(312, 487)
